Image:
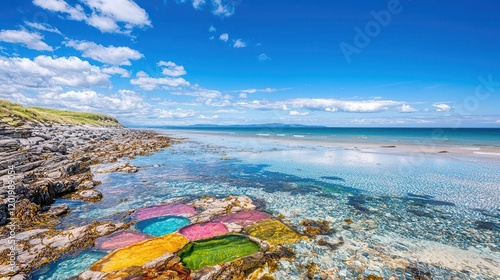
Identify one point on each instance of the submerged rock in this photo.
(163, 210)
(161, 225)
(140, 253)
(273, 231)
(119, 240)
(58, 210)
(203, 231)
(217, 250)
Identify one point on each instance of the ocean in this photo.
(437, 136)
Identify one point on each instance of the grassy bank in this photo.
(16, 115)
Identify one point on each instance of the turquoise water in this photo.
(69, 267)
(161, 225)
(437, 136)
(403, 205)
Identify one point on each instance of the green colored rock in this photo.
(274, 232)
(209, 252)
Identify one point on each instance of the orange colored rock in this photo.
(140, 253)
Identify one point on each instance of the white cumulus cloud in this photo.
(48, 73)
(297, 113)
(441, 107)
(171, 69)
(224, 37)
(43, 27)
(223, 8)
(109, 55)
(203, 117)
(114, 70)
(239, 44)
(263, 57)
(32, 41)
(111, 16)
(407, 109)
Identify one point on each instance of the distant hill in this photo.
(16, 115)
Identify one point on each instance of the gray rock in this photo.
(118, 167)
(58, 210)
(62, 149)
(92, 275)
(4, 214)
(161, 261)
(24, 142)
(89, 195)
(86, 185)
(51, 147)
(42, 135)
(35, 140)
(9, 145)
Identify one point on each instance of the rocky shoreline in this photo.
(40, 163)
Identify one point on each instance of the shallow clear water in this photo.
(161, 225)
(69, 267)
(437, 207)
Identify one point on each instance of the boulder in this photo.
(89, 195)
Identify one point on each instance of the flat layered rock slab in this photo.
(209, 252)
(161, 225)
(204, 231)
(274, 232)
(119, 240)
(176, 209)
(140, 253)
(244, 218)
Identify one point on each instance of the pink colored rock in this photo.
(163, 210)
(203, 231)
(119, 240)
(245, 218)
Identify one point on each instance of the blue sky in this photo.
(336, 63)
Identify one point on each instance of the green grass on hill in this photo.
(16, 115)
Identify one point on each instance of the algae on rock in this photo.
(217, 250)
(273, 231)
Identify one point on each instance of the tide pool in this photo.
(161, 225)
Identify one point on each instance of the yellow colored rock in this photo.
(273, 231)
(140, 253)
